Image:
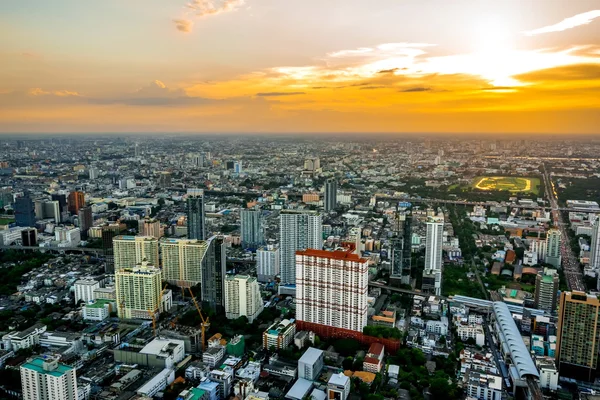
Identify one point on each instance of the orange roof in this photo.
(347, 254)
(366, 377)
(376, 348)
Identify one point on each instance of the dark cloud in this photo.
(277, 94)
(387, 71)
(372, 87)
(415, 89)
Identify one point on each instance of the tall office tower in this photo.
(93, 173)
(44, 378)
(595, 246)
(539, 247)
(165, 179)
(108, 234)
(29, 237)
(331, 290)
(196, 228)
(86, 221)
(24, 211)
(242, 297)
(578, 336)
(330, 195)
(267, 263)
(136, 150)
(52, 210)
(252, 229)
(132, 250)
(401, 246)
(138, 291)
(38, 209)
(150, 227)
(198, 160)
(214, 269)
(298, 230)
(62, 201)
(75, 201)
(553, 239)
(546, 290)
(6, 197)
(237, 167)
(182, 260)
(432, 274)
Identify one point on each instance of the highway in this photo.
(570, 264)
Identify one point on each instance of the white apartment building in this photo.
(331, 288)
(150, 227)
(242, 297)
(298, 230)
(138, 291)
(471, 331)
(44, 378)
(69, 237)
(23, 340)
(84, 289)
(267, 263)
(132, 250)
(182, 260)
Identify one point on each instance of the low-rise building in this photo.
(99, 310)
(213, 355)
(279, 335)
(311, 363)
(482, 386)
(373, 361)
(338, 387)
(157, 383)
(23, 340)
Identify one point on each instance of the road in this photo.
(570, 264)
(399, 290)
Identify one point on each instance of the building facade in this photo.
(213, 274)
(24, 211)
(86, 221)
(75, 201)
(138, 291)
(433, 256)
(131, 250)
(196, 220)
(150, 227)
(330, 202)
(553, 241)
(251, 229)
(44, 378)
(242, 297)
(267, 263)
(546, 290)
(84, 290)
(298, 230)
(182, 260)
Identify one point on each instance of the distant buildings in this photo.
(150, 227)
(196, 228)
(86, 220)
(330, 202)
(553, 242)
(44, 378)
(298, 230)
(131, 250)
(75, 201)
(578, 335)
(24, 211)
(546, 290)
(331, 289)
(182, 260)
(242, 297)
(251, 228)
(138, 291)
(267, 263)
(165, 180)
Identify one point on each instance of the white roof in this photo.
(299, 390)
(310, 356)
(341, 379)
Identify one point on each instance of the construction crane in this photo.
(205, 322)
(152, 313)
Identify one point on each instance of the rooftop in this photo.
(311, 355)
(46, 366)
(100, 303)
(347, 254)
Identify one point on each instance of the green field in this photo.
(507, 183)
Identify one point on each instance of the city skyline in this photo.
(262, 66)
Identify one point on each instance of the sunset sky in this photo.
(502, 66)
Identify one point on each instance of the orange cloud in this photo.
(203, 8)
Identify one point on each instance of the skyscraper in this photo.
(165, 180)
(595, 246)
(75, 201)
(242, 297)
(433, 255)
(52, 210)
(29, 237)
(182, 260)
(401, 249)
(553, 241)
(108, 234)
(331, 290)
(44, 378)
(62, 201)
(252, 229)
(195, 214)
(546, 290)
(150, 227)
(214, 270)
(24, 211)
(138, 291)
(578, 336)
(267, 263)
(132, 250)
(298, 230)
(86, 221)
(330, 195)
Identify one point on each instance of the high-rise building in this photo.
(196, 228)
(62, 201)
(132, 250)
(433, 254)
(214, 269)
(237, 167)
(108, 234)
(331, 289)
(52, 210)
(86, 221)
(578, 336)
(84, 290)
(75, 201)
(546, 290)
(298, 230)
(182, 260)
(165, 180)
(401, 247)
(242, 297)
(93, 173)
(24, 211)
(44, 378)
(29, 237)
(312, 164)
(553, 241)
(150, 227)
(138, 291)
(251, 228)
(595, 246)
(267, 263)
(330, 202)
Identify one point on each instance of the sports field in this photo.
(507, 183)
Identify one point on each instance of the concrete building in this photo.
(51, 209)
(279, 335)
(578, 335)
(242, 297)
(311, 364)
(338, 387)
(433, 255)
(546, 290)
(331, 288)
(132, 250)
(138, 291)
(482, 386)
(298, 230)
(24, 211)
(14, 341)
(252, 233)
(86, 221)
(29, 236)
(330, 202)
(84, 290)
(213, 274)
(196, 221)
(75, 201)
(69, 237)
(373, 361)
(157, 383)
(553, 241)
(44, 378)
(182, 260)
(150, 227)
(99, 310)
(267, 263)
